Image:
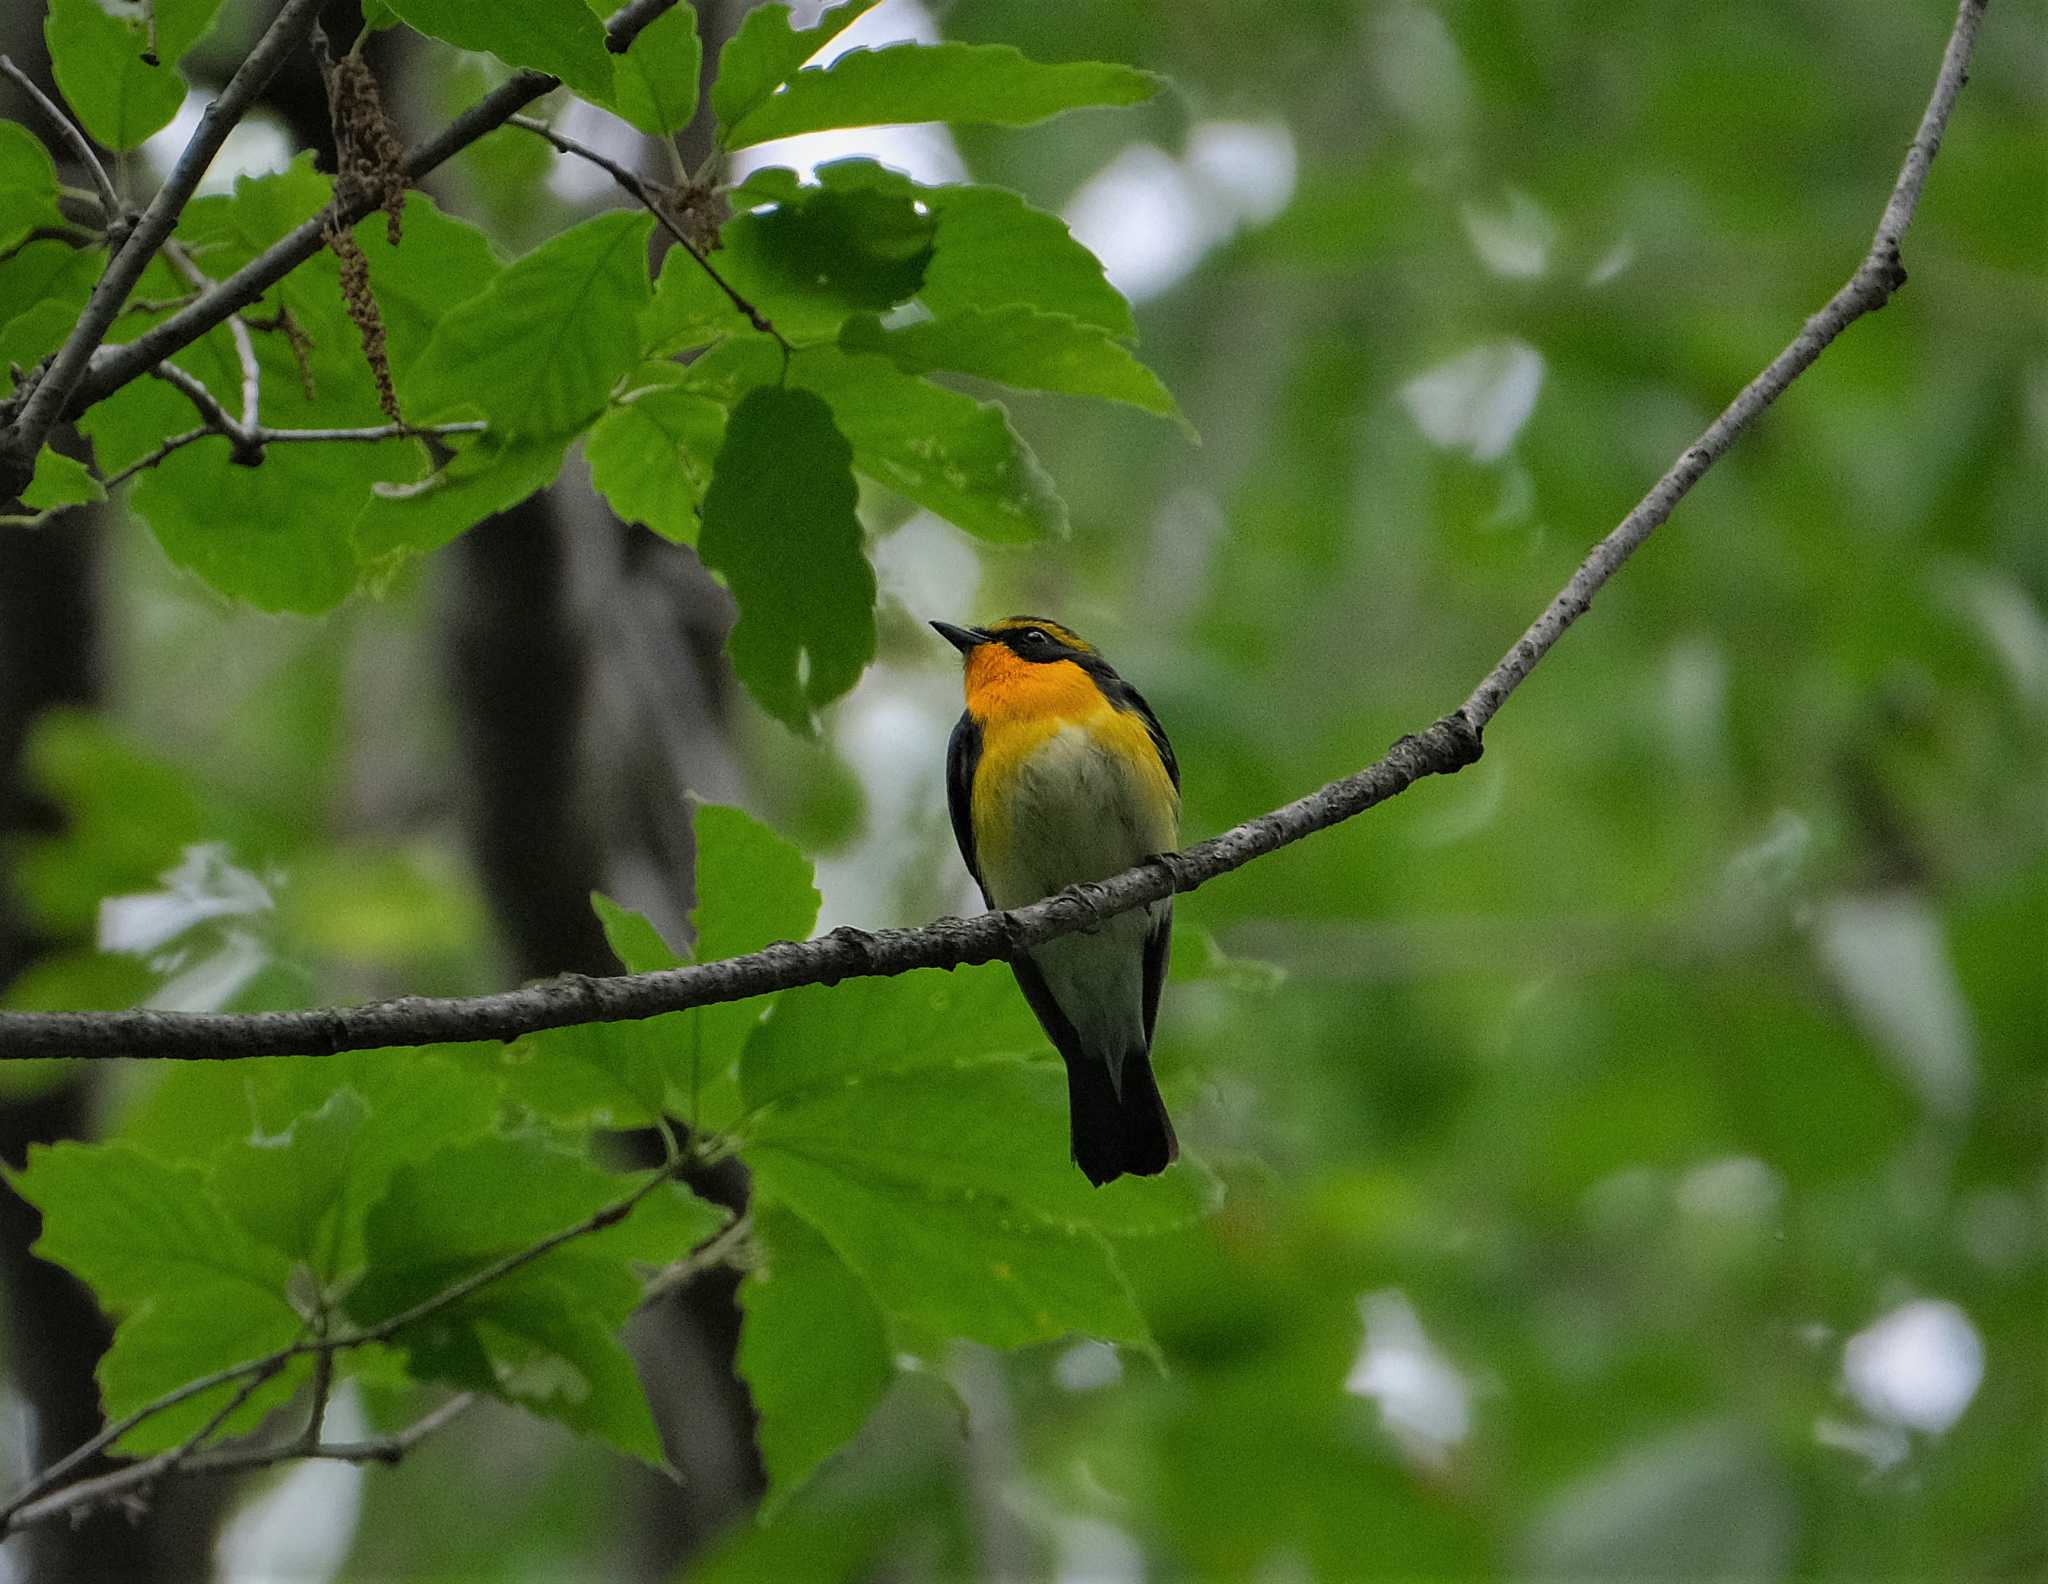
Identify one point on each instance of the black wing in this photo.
(963, 753)
(1158, 947)
(1124, 696)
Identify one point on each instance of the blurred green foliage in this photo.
(1631, 1157)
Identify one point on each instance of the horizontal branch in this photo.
(1443, 748)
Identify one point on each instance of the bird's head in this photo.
(1033, 639)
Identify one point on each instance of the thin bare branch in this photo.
(30, 1500)
(52, 395)
(98, 1491)
(245, 345)
(378, 1449)
(635, 185)
(1870, 287)
(73, 139)
(727, 1247)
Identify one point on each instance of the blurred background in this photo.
(1634, 1145)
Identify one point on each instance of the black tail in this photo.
(1112, 1136)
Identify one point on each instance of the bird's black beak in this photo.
(962, 638)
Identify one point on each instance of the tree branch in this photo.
(73, 139)
(51, 398)
(1442, 749)
(114, 366)
(632, 182)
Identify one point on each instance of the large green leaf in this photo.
(765, 51)
(197, 1291)
(753, 888)
(651, 457)
(579, 295)
(307, 1189)
(611, 1074)
(546, 1337)
(820, 1037)
(560, 37)
(943, 450)
(990, 84)
(992, 249)
(277, 535)
(43, 287)
(779, 528)
(28, 190)
(807, 255)
(952, 1263)
(96, 56)
(1017, 346)
(437, 504)
(655, 81)
(813, 1384)
(60, 481)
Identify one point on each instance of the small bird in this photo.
(1058, 772)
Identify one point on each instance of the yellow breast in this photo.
(1069, 787)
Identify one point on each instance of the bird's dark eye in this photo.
(1036, 635)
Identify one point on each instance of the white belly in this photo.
(1077, 812)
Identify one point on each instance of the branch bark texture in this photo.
(1441, 749)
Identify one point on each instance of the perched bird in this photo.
(1059, 773)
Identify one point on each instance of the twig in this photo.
(1447, 746)
(114, 366)
(30, 1499)
(723, 1248)
(73, 139)
(634, 184)
(245, 345)
(52, 395)
(1871, 287)
(217, 419)
(270, 437)
(86, 1494)
(378, 1449)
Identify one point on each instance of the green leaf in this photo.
(991, 1128)
(688, 309)
(546, 1337)
(127, 816)
(651, 457)
(60, 481)
(580, 295)
(424, 513)
(277, 535)
(44, 286)
(960, 1266)
(633, 938)
(96, 56)
(1017, 346)
(857, 239)
(609, 1074)
(655, 82)
(306, 1190)
(753, 888)
(993, 249)
(28, 190)
(821, 1037)
(779, 528)
(766, 51)
(985, 84)
(560, 37)
(941, 449)
(197, 1292)
(813, 1384)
